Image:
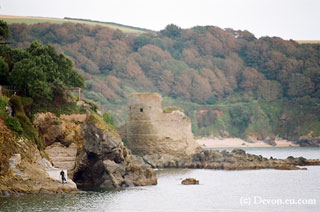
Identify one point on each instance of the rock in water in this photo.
(190, 181)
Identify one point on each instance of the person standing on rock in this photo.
(63, 178)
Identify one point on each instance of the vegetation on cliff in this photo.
(38, 72)
(239, 79)
(37, 78)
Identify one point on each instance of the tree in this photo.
(269, 90)
(299, 86)
(4, 30)
(41, 70)
(171, 31)
(250, 79)
(240, 117)
(3, 71)
(141, 41)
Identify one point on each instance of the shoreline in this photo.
(208, 143)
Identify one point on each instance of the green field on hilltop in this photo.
(35, 20)
(308, 41)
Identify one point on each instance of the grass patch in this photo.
(4, 101)
(308, 41)
(108, 119)
(101, 124)
(13, 124)
(66, 108)
(36, 20)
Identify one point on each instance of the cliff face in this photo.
(23, 169)
(104, 162)
(91, 151)
(62, 138)
(151, 131)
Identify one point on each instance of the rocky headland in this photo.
(237, 159)
(163, 139)
(89, 150)
(25, 169)
(308, 141)
(93, 155)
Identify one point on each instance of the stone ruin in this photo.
(150, 131)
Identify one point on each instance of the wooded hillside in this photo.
(228, 82)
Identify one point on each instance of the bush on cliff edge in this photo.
(13, 123)
(27, 128)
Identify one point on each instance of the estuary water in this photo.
(246, 190)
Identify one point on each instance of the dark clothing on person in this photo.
(63, 179)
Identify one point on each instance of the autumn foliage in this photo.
(195, 64)
(204, 65)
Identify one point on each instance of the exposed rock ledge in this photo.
(91, 151)
(104, 162)
(308, 141)
(236, 160)
(30, 173)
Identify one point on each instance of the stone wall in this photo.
(151, 131)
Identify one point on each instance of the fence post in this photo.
(79, 91)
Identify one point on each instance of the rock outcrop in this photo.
(65, 129)
(87, 149)
(61, 156)
(62, 138)
(27, 172)
(237, 159)
(308, 141)
(150, 131)
(104, 162)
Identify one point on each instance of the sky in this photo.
(288, 19)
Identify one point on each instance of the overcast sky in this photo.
(289, 19)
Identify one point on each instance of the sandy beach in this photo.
(238, 142)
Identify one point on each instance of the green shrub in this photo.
(13, 123)
(66, 108)
(240, 119)
(15, 101)
(26, 101)
(100, 123)
(93, 106)
(108, 119)
(57, 122)
(27, 128)
(125, 142)
(3, 102)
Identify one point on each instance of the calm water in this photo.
(256, 190)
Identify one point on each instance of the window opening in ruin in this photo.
(141, 109)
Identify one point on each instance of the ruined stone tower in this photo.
(151, 131)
